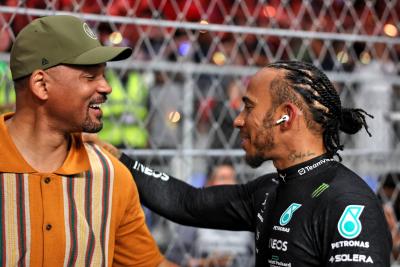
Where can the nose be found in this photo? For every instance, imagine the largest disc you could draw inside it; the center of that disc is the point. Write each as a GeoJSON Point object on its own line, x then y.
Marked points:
{"type": "Point", "coordinates": [239, 121]}
{"type": "Point", "coordinates": [104, 87]}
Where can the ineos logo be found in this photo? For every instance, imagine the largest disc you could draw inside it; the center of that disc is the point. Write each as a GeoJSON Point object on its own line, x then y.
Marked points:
{"type": "Point", "coordinates": [149, 172]}
{"type": "Point", "coordinates": [278, 244]}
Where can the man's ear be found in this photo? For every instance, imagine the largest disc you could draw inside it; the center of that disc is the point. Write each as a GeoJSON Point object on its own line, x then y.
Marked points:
{"type": "Point", "coordinates": [38, 84]}
{"type": "Point", "coordinates": [293, 112]}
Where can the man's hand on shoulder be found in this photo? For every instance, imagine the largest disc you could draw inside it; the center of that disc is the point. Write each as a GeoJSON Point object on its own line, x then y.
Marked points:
{"type": "Point", "coordinates": [93, 138]}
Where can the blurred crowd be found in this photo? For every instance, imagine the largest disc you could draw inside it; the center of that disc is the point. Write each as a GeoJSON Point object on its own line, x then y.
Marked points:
{"type": "Point", "coordinates": [378, 18]}
{"type": "Point", "coordinates": [156, 122]}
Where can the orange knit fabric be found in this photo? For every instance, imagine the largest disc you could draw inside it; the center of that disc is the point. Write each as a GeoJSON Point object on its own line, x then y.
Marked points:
{"type": "Point", "coordinates": [87, 213]}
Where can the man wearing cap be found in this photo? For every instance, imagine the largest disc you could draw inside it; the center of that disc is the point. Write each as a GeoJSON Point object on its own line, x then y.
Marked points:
{"type": "Point", "coordinates": [62, 202]}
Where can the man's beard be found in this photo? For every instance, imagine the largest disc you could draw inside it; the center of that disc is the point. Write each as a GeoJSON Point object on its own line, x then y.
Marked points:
{"type": "Point", "coordinates": [90, 126]}
{"type": "Point", "coordinates": [254, 161]}
{"type": "Point", "coordinates": [264, 142]}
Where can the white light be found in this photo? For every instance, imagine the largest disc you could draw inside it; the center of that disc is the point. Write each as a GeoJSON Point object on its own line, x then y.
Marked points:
{"type": "Point", "coordinates": [203, 22]}
{"type": "Point", "coordinates": [174, 116]}
{"type": "Point", "coordinates": [343, 57]}
{"type": "Point", "coordinates": [365, 58]}
{"type": "Point", "coordinates": [390, 30]}
{"type": "Point", "coordinates": [219, 58]}
{"type": "Point", "coordinates": [115, 38]}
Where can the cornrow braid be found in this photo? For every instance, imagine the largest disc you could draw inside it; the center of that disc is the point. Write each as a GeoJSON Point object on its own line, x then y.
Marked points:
{"type": "Point", "coordinates": [323, 102]}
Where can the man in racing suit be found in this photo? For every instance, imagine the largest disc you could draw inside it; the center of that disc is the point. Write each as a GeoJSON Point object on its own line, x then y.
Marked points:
{"type": "Point", "coordinates": [314, 211]}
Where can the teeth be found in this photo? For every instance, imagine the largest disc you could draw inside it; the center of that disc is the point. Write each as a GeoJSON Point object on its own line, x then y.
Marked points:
{"type": "Point", "coordinates": [95, 105]}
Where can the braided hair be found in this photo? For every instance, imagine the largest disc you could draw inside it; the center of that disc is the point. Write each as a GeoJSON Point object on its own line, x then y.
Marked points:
{"type": "Point", "coordinates": [323, 103]}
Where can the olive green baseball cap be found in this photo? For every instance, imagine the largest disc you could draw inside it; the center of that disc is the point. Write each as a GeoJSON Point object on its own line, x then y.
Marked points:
{"type": "Point", "coordinates": [49, 41]}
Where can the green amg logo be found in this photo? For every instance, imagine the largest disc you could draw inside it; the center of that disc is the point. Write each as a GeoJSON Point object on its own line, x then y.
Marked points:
{"type": "Point", "coordinates": [349, 225]}
{"type": "Point", "coordinates": [288, 213]}
{"type": "Point", "coordinates": [317, 192]}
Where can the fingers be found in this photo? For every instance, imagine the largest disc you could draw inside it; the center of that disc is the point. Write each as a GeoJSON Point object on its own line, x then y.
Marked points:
{"type": "Point", "coordinates": [93, 138]}
{"type": "Point", "coordinates": [90, 138]}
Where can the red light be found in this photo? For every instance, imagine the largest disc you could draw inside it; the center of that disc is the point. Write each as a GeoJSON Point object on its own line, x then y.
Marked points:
{"type": "Point", "coordinates": [269, 11]}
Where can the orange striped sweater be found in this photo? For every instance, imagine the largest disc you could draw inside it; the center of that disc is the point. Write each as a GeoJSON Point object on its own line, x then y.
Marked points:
{"type": "Point", "coordinates": [87, 213]}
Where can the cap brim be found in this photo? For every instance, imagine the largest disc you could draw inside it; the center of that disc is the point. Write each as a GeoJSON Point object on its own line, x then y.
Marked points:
{"type": "Point", "coordinates": [100, 55]}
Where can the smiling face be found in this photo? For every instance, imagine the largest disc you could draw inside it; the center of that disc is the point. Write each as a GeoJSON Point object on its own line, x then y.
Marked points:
{"type": "Point", "coordinates": [256, 120]}
{"type": "Point", "coordinates": [75, 96]}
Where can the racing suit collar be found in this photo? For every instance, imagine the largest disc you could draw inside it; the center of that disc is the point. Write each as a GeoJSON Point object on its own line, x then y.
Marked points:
{"type": "Point", "coordinates": [304, 168]}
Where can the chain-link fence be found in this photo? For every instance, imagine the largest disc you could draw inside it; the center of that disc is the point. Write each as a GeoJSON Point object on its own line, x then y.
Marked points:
{"type": "Point", "coordinates": [175, 99]}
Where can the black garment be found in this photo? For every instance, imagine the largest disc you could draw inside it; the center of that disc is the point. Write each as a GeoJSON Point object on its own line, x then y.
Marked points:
{"type": "Point", "coordinates": [318, 213]}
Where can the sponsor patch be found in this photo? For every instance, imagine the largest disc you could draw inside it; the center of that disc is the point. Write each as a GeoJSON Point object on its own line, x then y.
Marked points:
{"type": "Point", "coordinates": [288, 214]}
{"type": "Point", "coordinates": [274, 261]}
{"type": "Point", "coordinates": [350, 243]}
{"type": "Point", "coordinates": [317, 192]}
{"type": "Point", "coordinates": [308, 168]}
{"type": "Point", "coordinates": [349, 225]}
{"type": "Point", "coordinates": [278, 244]}
{"type": "Point", "coordinates": [351, 258]}
{"type": "Point", "coordinates": [146, 170]}
{"type": "Point", "coordinates": [281, 229]}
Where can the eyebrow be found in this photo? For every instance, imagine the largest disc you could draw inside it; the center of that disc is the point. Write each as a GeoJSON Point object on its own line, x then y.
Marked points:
{"type": "Point", "coordinates": [247, 100]}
